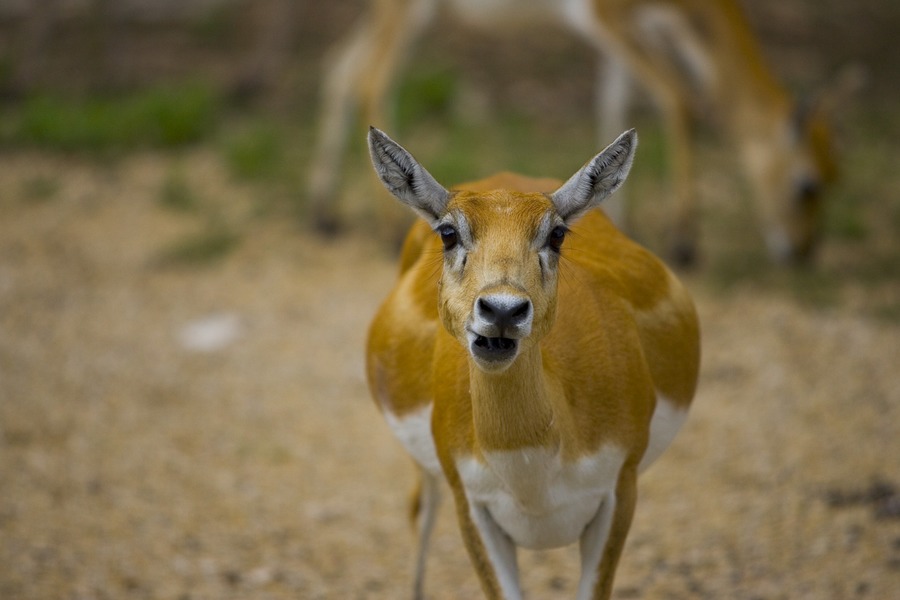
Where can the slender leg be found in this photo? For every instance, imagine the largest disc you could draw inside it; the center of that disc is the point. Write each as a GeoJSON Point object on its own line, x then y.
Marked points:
{"type": "Point", "coordinates": [602, 541]}
{"type": "Point", "coordinates": [612, 97]}
{"type": "Point", "coordinates": [358, 80]}
{"type": "Point", "coordinates": [491, 551]}
{"type": "Point", "coordinates": [667, 92]}
{"type": "Point", "coordinates": [426, 504]}
{"type": "Point", "coordinates": [501, 567]}
{"type": "Point", "coordinates": [339, 103]}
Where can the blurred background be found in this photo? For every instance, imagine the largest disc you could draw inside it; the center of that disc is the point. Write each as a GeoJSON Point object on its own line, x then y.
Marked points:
{"type": "Point", "coordinates": [183, 412]}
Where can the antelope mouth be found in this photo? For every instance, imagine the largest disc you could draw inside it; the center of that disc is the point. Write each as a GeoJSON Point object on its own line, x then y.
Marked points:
{"type": "Point", "coordinates": [494, 349]}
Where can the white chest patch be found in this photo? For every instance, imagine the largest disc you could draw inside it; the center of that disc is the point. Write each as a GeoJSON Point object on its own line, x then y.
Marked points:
{"type": "Point", "coordinates": [413, 430]}
{"type": "Point", "coordinates": [536, 498]}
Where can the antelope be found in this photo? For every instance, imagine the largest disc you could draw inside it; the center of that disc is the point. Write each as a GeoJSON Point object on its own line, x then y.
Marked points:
{"type": "Point", "coordinates": [691, 56]}
{"type": "Point", "coordinates": [532, 356]}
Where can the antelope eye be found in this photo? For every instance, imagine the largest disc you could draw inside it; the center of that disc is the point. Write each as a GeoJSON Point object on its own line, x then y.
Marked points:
{"type": "Point", "coordinates": [556, 237]}
{"type": "Point", "coordinates": [449, 237]}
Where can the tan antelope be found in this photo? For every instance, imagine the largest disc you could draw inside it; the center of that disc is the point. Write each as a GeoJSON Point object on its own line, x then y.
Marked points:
{"type": "Point", "coordinates": [534, 357]}
{"type": "Point", "coordinates": [691, 56]}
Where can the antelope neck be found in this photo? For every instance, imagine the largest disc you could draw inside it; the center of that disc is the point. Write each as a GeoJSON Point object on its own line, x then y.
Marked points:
{"type": "Point", "coordinates": [514, 409]}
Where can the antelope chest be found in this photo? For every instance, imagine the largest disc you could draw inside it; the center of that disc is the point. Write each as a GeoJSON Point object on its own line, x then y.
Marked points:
{"type": "Point", "coordinates": [538, 499]}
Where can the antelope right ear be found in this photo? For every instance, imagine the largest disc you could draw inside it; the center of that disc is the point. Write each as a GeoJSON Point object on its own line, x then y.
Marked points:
{"type": "Point", "coordinates": [405, 178]}
{"type": "Point", "coordinates": [602, 176]}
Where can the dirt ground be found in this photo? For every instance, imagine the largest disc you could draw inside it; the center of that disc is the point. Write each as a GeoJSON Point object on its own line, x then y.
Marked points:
{"type": "Point", "coordinates": [205, 432]}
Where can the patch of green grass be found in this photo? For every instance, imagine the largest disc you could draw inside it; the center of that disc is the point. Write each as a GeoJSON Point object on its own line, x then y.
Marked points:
{"type": "Point", "coordinates": [844, 219]}
{"type": "Point", "coordinates": [812, 287]}
{"type": "Point", "coordinates": [513, 142]}
{"type": "Point", "coordinates": [888, 312]}
{"type": "Point", "coordinates": [426, 94]}
{"type": "Point", "coordinates": [40, 189]}
{"type": "Point", "coordinates": [6, 72]}
{"type": "Point", "coordinates": [217, 26]}
{"type": "Point", "coordinates": [201, 249]}
{"type": "Point", "coordinates": [877, 267]}
{"type": "Point", "coordinates": [731, 266]}
{"type": "Point", "coordinates": [256, 152]}
{"type": "Point", "coordinates": [176, 194]}
{"type": "Point", "coordinates": [163, 117]}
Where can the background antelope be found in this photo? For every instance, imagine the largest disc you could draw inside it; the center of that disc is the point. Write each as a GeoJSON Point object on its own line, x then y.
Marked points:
{"type": "Point", "coordinates": [539, 368]}
{"type": "Point", "coordinates": [691, 56]}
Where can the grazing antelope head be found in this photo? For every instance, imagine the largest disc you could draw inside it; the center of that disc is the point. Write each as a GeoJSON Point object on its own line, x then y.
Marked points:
{"type": "Point", "coordinates": [501, 249]}
{"type": "Point", "coordinates": [790, 172]}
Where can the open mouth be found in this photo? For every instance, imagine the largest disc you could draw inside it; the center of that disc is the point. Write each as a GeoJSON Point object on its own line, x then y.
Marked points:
{"type": "Point", "coordinates": [494, 348]}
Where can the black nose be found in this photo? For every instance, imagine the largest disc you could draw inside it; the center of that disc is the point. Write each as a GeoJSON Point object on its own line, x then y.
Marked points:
{"type": "Point", "coordinates": [503, 311]}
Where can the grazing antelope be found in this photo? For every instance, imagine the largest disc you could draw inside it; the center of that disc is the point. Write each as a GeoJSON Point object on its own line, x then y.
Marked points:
{"type": "Point", "coordinates": [691, 56]}
{"type": "Point", "coordinates": [534, 356]}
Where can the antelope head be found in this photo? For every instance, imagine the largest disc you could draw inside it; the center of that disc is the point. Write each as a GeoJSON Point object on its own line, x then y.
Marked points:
{"type": "Point", "coordinates": [501, 248]}
{"type": "Point", "coordinates": [795, 165]}
{"type": "Point", "coordinates": [791, 171]}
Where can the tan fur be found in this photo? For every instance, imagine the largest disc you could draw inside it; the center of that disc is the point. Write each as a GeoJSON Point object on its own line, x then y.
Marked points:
{"type": "Point", "coordinates": [611, 330]}
{"type": "Point", "coordinates": [700, 57]}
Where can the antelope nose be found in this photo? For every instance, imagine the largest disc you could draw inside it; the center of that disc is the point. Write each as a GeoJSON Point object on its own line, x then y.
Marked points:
{"type": "Point", "coordinates": [508, 314]}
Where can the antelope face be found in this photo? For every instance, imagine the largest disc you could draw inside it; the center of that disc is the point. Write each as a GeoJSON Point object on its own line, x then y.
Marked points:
{"type": "Point", "coordinates": [498, 287]}
{"type": "Point", "coordinates": [501, 248]}
{"type": "Point", "coordinates": [794, 174]}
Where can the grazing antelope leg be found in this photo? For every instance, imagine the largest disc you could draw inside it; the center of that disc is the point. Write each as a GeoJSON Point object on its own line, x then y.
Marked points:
{"type": "Point", "coordinates": [358, 77]}
{"type": "Point", "coordinates": [612, 94]}
{"type": "Point", "coordinates": [539, 397]}
{"type": "Point", "coordinates": [691, 56]}
{"type": "Point", "coordinates": [614, 26]}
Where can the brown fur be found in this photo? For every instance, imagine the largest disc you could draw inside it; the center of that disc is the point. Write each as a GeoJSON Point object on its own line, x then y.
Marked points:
{"type": "Point", "coordinates": [738, 88]}
{"type": "Point", "coordinates": [613, 330]}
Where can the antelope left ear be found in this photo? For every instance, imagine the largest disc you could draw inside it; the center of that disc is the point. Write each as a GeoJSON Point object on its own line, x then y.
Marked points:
{"type": "Point", "coordinates": [599, 178]}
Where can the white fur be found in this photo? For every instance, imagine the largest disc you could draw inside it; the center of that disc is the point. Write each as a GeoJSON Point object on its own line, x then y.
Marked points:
{"type": "Point", "coordinates": [530, 497]}
{"type": "Point", "coordinates": [538, 500]}
{"type": "Point", "coordinates": [593, 542]}
{"type": "Point", "coordinates": [665, 425]}
{"type": "Point", "coordinates": [667, 28]}
{"type": "Point", "coordinates": [500, 549]}
{"type": "Point", "coordinates": [413, 430]}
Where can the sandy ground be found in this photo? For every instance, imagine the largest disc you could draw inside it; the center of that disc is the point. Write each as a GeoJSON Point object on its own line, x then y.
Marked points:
{"type": "Point", "coordinates": [205, 432]}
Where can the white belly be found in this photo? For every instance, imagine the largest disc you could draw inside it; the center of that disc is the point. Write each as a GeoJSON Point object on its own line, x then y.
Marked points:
{"type": "Point", "coordinates": [539, 501]}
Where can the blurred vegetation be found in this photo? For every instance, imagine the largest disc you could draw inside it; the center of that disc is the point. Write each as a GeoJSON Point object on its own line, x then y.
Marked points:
{"type": "Point", "coordinates": [467, 106]}
{"type": "Point", "coordinates": [168, 116]}
{"type": "Point", "coordinates": [255, 151]}
{"type": "Point", "coordinates": [40, 189]}
{"type": "Point", "coordinates": [176, 193]}
{"type": "Point", "coordinates": [207, 246]}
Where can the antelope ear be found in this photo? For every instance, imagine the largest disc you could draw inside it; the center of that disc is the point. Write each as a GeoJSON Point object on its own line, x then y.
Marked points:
{"type": "Point", "coordinates": [830, 100]}
{"type": "Point", "coordinates": [843, 88]}
{"type": "Point", "coordinates": [599, 178]}
{"type": "Point", "coordinates": [405, 178]}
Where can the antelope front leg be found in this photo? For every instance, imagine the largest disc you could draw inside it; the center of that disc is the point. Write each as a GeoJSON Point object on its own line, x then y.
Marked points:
{"type": "Point", "coordinates": [426, 501]}
{"type": "Point", "coordinates": [602, 541]}
{"type": "Point", "coordinates": [491, 551]}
